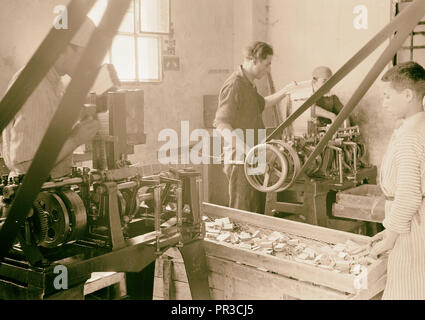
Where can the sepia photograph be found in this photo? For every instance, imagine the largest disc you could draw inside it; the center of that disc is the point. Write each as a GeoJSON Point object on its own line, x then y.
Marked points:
{"type": "Point", "coordinates": [212, 157]}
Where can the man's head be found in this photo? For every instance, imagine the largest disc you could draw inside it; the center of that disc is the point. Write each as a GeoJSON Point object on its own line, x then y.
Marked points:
{"type": "Point", "coordinates": [258, 58]}
{"type": "Point", "coordinates": [404, 89]}
{"type": "Point", "coordinates": [71, 56]}
{"type": "Point", "coordinates": [320, 76]}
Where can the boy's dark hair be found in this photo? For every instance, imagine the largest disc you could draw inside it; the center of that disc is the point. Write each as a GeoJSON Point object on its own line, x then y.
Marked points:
{"type": "Point", "coordinates": [407, 75]}
{"type": "Point", "coordinates": [258, 51]}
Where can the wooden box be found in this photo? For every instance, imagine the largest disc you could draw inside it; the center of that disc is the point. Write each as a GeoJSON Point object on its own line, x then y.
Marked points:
{"type": "Point", "coordinates": [365, 203]}
{"type": "Point", "coordinates": [236, 273]}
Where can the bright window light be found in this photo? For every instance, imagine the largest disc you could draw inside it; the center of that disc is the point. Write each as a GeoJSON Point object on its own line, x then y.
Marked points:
{"type": "Point", "coordinates": [148, 57]}
{"type": "Point", "coordinates": [136, 49]}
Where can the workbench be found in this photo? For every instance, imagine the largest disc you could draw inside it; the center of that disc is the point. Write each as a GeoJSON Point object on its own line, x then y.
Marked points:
{"type": "Point", "coordinates": [236, 273]}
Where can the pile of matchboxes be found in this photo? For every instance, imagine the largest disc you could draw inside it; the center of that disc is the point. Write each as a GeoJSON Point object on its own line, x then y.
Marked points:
{"type": "Point", "coordinates": [251, 256]}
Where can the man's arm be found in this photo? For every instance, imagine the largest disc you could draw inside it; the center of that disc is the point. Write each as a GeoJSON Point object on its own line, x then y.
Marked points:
{"type": "Point", "coordinates": [320, 112]}
{"type": "Point", "coordinates": [275, 98]}
{"type": "Point", "coordinates": [232, 140]}
{"type": "Point", "coordinates": [82, 133]}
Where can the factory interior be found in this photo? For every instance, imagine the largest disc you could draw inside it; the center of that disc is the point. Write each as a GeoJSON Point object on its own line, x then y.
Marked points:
{"type": "Point", "coordinates": [137, 93]}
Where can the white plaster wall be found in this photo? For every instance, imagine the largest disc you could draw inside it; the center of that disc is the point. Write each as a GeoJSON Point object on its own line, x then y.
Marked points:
{"type": "Point", "coordinates": [308, 33]}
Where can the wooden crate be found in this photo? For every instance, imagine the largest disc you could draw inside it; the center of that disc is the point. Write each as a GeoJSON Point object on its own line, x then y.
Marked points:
{"type": "Point", "coordinates": [236, 273]}
{"type": "Point", "coordinates": [102, 280]}
{"type": "Point", "coordinates": [365, 203]}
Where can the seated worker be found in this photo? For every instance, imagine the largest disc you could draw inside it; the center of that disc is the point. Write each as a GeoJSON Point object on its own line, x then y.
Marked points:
{"type": "Point", "coordinates": [326, 108]}
{"type": "Point", "coordinates": [23, 135]}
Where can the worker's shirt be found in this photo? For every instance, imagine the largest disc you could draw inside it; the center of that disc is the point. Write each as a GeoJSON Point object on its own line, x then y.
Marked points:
{"type": "Point", "coordinates": [402, 178]}
{"type": "Point", "coordinates": [23, 135]}
{"type": "Point", "coordinates": [240, 105]}
{"type": "Point", "coordinates": [329, 103]}
{"type": "Point", "coordinates": [298, 96]}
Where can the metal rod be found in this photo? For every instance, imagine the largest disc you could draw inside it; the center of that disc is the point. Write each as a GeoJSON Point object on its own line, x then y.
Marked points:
{"type": "Point", "coordinates": [341, 177]}
{"type": "Point", "coordinates": [354, 145]}
{"type": "Point", "coordinates": [157, 201]}
{"type": "Point", "coordinates": [339, 150]}
{"type": "Point", "coordinates": [200, 199]}
{"type": "Point", "coordinates": [179, 195]}
{"type": "Point", "coordinates": [127, 185]}
{"type": "Point", "coordinates": [67, 182]}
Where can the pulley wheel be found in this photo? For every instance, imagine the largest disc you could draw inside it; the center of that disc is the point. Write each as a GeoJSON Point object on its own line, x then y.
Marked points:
{"type": "Point", "coordinates": [265, 168]}
{"type": "Point", "coordinates": [58, 219]}
{"type": "Point", "coordinates": [77, 212]}
{"type": "Point", "coordinates": [293, 161]}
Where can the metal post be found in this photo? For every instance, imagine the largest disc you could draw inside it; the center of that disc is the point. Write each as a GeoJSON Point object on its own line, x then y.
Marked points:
{"type": "Point", "coordinates": [157, 201]}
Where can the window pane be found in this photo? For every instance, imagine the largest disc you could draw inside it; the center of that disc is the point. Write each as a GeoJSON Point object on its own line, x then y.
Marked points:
{"type": "Point", "coordinates": [148, 51]}
{"type": "Point", "coordinates": [123, 57]}
{"type": "Point", "coordinates": [155, 16]}
{"type": "Point", "coordinates": [99, 8]}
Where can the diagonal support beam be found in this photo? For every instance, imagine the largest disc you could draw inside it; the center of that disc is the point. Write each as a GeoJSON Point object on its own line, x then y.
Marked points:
{"type": "Point", "coordinates": [62, 122]}
{"type": "Point", "coordinates": [195, 262]}
{"type": "Point", "coordinates": [41, 62]}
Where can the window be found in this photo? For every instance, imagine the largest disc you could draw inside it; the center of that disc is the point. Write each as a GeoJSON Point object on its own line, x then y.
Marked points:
{"type": "Point", "coordinates": [414, 47]}
{"type": "Point", "coordinates": [136, 50]}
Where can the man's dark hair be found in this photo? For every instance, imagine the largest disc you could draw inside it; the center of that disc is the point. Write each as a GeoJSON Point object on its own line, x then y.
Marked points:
{"type": "Point", "coordinates": [407, 75]}
{"type": "Point", "coordinates": [258, 51]}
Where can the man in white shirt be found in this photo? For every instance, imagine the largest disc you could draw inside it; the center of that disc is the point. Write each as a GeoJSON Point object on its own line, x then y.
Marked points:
{"type": "Point", "coordinates": [23, 135]}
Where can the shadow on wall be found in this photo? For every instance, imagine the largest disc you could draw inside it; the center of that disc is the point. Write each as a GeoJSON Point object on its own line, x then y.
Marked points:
{"type": "Point", "coordinates": [376, 128]}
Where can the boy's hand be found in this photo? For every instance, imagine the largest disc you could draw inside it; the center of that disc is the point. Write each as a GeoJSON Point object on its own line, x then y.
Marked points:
{"type": "Point", "coordinates": [387, 242]}
{"type": "Point", "coordinates": [381, 247]}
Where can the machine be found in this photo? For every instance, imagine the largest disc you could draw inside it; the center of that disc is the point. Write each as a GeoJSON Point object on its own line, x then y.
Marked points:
{"type": "Point", "coordinates": [339, 166]}
{"type": "Point", "coordinates": [112, 217]}
{"type": "Point", "coordinates": [112, 220]}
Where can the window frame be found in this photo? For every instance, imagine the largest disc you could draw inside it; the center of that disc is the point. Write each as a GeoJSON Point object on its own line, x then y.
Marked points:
{"type": "Point", "coordinates": [136, 34]}
{"type": "Point", "coordinates": [151, 32]}
{"type": "Point", "coordinates": [411, 47]}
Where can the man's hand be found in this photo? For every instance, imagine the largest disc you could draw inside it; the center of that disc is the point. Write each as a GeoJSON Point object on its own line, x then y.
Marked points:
{"type": "Point", "coordinates": [85, 131]}
{"type": "Point", "coordinates": [290, 86]}
{"type": "Point", "coordinates": [239, 153]}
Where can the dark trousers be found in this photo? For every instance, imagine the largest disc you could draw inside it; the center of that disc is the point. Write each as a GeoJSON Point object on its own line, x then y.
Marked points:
{"type": "Point", "coordinates": [242, 195]}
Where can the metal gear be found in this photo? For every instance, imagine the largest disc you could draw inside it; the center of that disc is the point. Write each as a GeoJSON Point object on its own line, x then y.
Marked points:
{"type": "Point", "coordinates": [40, 223]}
{"type": "Point", "coordinates": [58, 219]}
